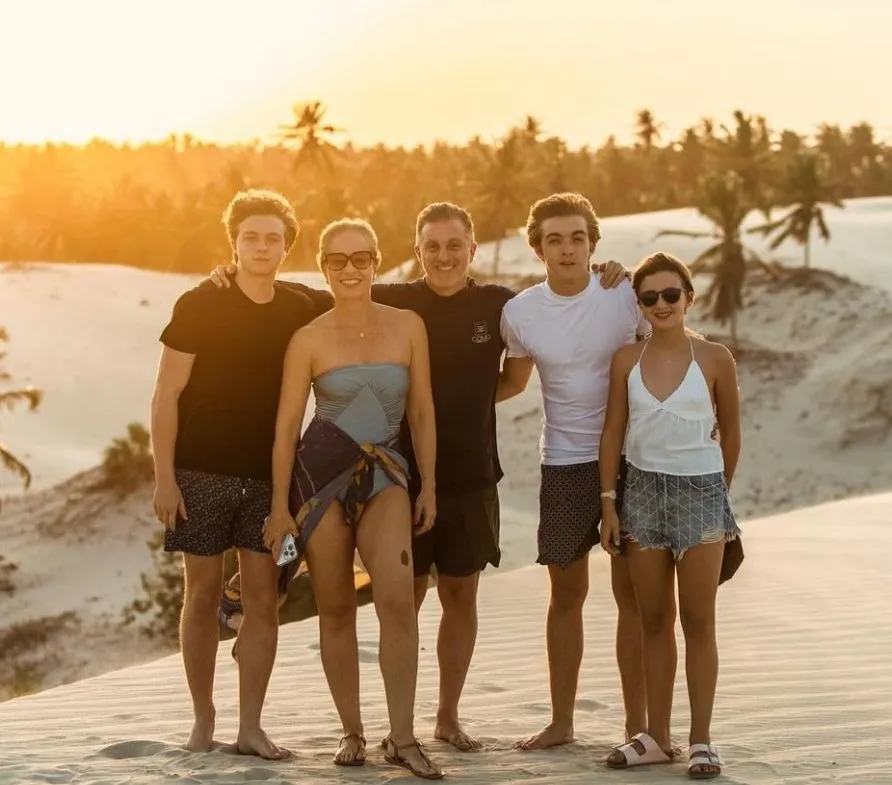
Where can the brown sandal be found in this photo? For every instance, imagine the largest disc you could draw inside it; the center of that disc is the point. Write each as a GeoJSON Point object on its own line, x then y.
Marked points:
{"type": "Point", "coordinates": [392, 755]}
{"type": "Point", "coordinates": [357, 761]}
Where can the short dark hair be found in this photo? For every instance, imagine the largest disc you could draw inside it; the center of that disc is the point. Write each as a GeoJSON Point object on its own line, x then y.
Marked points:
{"type": "Point", "coordinates": [444, 211]}
{"type": "Point", "coordinates": [558, 205]}
{"type": "Point", "coordinates": [260, 201]}
{"type": "Point", "coordinates": [662, 263]}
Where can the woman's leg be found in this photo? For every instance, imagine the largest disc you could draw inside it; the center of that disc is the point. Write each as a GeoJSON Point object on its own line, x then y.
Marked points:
{"type": "Point", "coordinates": [698, 579]}
{"type": "Point", "coordinates": [384, 539]}
{"type": "Point", "coordinates": [653, 576]}
{"type": "Point", "coordinates": [330, 559]}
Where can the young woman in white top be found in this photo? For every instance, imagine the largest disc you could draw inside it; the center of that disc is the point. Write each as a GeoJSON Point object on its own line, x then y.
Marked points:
{"type": "Point", "coordinates": [675, 515]}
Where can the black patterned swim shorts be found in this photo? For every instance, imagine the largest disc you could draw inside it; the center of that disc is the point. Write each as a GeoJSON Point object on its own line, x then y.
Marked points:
{"type": "Point", "coordinates": [223, 512]}
{"type": "Point", "coordinates": [570, 511]}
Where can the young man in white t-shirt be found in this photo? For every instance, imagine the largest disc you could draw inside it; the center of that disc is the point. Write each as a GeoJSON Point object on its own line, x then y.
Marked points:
{"type": "Point", "coordinates": [569, 327]}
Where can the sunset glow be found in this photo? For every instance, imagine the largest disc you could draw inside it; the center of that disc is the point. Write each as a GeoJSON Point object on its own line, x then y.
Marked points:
{"type": "Point", "coordinates": [406, 72]}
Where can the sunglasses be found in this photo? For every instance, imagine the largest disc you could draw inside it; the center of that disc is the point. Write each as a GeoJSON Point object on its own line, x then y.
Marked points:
{"type": "Point", "coordinates": [361, 260]}
{"type": "Point", "coordinates": [649, 298]}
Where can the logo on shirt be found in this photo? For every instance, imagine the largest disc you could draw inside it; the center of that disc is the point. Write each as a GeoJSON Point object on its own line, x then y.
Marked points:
{"type": "Point", "coordinates": [481, 332]}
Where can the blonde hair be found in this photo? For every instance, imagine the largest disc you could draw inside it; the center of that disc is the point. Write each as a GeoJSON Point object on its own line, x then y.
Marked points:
{"type": "Point", "coordinates": [342, 225]}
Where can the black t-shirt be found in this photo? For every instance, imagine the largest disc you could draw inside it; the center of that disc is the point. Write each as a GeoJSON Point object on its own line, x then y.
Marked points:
{"type": "Point", "coordinates": [465, 355]}
{"type": "Point", "coordinates": [227, 412]}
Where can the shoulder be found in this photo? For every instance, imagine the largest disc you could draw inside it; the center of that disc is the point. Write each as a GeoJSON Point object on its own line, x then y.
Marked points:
{"type": "Point", "coordinates": [714, 352]}
{"type": "Point", "coordinates": [525, 301]}
{"type": "Point", "coordinates": [199, 297]}
{"type": "Point", "coordinates": [626, 356]}
{"type": "Point", "coordinates": [494, 295]}
{"type": "Point", "coordinates": [403, 317]}
{"type": "Point", "coordinates": [623, 292]}
{"type": "Point", "coordinates": [399, 295]}
{"type": "Point", "coordinates": [301, 293]}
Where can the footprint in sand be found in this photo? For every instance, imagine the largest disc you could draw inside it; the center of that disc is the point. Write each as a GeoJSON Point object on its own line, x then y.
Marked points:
{"type": "Point", "coordinates": [590, 705]}
{"type": "Point", "coordinates": [133, 749]}
{"type": "Point", "coordinates": [367, 651]}
{"type": "Point", "coordinates": [490, 688]}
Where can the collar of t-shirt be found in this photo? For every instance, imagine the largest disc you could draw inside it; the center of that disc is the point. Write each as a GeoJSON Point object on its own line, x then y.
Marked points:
{"type": "Point", "coordinates": [569, 298]}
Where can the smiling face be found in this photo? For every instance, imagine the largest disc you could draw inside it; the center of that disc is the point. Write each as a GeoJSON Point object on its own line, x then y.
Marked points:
{"type": "Point", "coordinates": [445, 250]}
{"type": "Point", "coordinates": [566, 250]}
{"type": "Point", "coordinates": [349, 262]}
{"type": "Point", "coordinates": [660, 311]}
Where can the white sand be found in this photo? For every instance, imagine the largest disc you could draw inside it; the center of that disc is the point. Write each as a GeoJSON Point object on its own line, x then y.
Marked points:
{"type": "Point", "coordinates": [805, 692]}
{"type": "Point", "coordinates": [818, 426]}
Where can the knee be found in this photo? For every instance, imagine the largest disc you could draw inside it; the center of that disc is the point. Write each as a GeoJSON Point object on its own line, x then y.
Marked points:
{"type": "Point", "coordinates": [261, 605]}
{"type": "Point", "coordinates": [568, 599]}
{"type": "Point", "coordinates": [203, 598]}
{"type": "Point", "coordinates": [656, 622]}
{"type": "Point", "coordinates": [698, 624]}
{"type": "Point", "coordinates": [395, 607]}
{"type": "Point", "coordinates": [338, 615]}
{"type": "Point", "coordinates": [458, 597]}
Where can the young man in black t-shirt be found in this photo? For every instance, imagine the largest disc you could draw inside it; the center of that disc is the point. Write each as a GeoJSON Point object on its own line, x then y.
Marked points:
{"type": "Point", "coordinates": [213, 423]}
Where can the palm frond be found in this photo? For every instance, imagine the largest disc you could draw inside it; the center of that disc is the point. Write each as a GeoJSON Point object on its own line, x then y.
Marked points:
{"type": "Point", "coordinates": [682, 233]}
{"type": "Point", "coordinates": [12, 398]}
{"type": "Point", "coordinates": [700, 264]}
{"type": "Point", "coordinates": [769, 228]}
{"type": "Point", "coordinates": [15, 466]}
{"type": "Point", "coordinates": [822, 225]}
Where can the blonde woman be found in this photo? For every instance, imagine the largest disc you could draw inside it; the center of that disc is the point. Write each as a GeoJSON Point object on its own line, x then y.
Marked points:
{"type": "Point", "coordinates": [345, 486]}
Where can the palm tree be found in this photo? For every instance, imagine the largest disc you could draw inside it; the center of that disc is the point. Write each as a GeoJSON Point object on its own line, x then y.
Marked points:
{"type": "Point", "coordinates": [806, 187]}
{"type": "Point", "coordinates": [310, 132]}
{"type": "Point", "coordinates": [501, 189]}
{"type": "Point", "coordinates": [722, 201]}
{"type": "Point", "coordinates": [746, 150]}
{"type": "Point", "coordinates": [8, 400]}
{"type": "Point", "coordinates": [647, 129]}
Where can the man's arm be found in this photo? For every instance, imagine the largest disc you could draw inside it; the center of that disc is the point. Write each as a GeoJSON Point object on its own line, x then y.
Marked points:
{"type": "Point", "coordinates": [518, 364]}
{"type": "Point", "coordinates": [174, 371]}
{"type": "Point", "coordinates": [513, 377]}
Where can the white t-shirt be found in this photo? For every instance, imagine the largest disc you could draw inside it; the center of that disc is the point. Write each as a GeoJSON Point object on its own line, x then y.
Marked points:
{"type": "Point", "coordinates": [572, 341]}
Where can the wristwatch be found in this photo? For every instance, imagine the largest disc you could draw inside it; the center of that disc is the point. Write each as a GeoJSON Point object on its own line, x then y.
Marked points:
{"type": "Point", "coordinates": [608, 495]}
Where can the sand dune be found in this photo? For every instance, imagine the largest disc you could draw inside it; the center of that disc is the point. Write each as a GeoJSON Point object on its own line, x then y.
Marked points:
{"type": "Point", "coordinates": [815, 373]}
{"type": "Point", "coordinates": [805, 692]}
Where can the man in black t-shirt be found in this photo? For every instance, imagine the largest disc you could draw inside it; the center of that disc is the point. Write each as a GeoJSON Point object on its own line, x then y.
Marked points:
{"type": "Point", "coordinates": [213, 424]}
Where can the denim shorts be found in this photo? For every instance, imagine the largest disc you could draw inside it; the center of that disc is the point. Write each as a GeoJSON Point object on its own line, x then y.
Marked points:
{"type": "Point", "coordinates": [675, 512]}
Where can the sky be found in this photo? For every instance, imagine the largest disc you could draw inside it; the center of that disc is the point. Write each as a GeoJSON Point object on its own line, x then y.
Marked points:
{"type": "Point", "coordinates": [415, 71]}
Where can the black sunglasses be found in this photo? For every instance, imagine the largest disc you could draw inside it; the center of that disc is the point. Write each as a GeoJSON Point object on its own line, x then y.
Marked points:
{"type": "Point", "coordinates": [670, 296]}
{"type": "Point", "coordinates": [361, 260]}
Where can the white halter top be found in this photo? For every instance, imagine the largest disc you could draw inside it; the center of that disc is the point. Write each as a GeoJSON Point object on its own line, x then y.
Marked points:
{"type": "Point", "coordinates": [673, 436]}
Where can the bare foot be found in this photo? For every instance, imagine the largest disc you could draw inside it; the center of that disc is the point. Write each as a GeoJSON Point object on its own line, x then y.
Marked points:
{"type": "Point", "coordinates": [452, 733]}
{"type": "Point", "coordinates": [351, 750]}
{"type": "Point", "coordinates": [257, 743]}
{"type": "Point", "coordinates": [202, 737]}
{"type": "Point", "coordinates": [550, 736]}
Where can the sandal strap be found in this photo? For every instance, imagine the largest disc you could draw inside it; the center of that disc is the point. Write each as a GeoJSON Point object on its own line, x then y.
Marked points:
{"type": "Point", "coordinates": [357, 736]}
{"type": "Point", "coordinates": [704, 754]}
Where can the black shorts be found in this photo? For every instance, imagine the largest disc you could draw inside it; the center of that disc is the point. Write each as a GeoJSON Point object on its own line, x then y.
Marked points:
{"type": "Point", "coordinates": [570, 511]}
{"type": "Point", "coordinates": [465, 537]}
{"type": "Point", "coordinates": [223, 512]}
